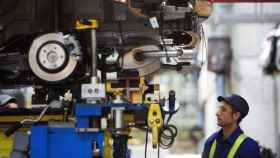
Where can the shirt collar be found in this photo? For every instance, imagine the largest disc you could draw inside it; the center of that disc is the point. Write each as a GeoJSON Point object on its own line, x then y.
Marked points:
{"type": "Point", "coordinates": [231, 139]}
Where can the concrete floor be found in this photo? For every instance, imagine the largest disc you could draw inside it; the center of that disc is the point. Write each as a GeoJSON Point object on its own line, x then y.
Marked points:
{"type": "Point", "coordinates": [138, 151]}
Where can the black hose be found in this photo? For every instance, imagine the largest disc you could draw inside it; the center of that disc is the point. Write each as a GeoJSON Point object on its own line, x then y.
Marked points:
{"type": "Point", "coordinates": [12, 129]}
{"type": "Point", "coordinates": [146, 142]}
{"type": "Point", "coordinates": [167, 137]}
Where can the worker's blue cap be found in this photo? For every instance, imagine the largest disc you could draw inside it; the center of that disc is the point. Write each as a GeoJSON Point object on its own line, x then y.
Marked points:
{"type": "Point", "coordinates": [4, 99]}
{"type": "Point", "coordinates": [238, 102]}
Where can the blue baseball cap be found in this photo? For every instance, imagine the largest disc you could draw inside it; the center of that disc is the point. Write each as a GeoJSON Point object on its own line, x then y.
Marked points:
{"type": "Point", "coordinates": [238, 102]}
{"type": "Point", "coordinates": [4, 99]}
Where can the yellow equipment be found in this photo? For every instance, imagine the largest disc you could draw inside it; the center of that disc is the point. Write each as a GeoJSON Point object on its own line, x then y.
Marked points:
{"type": "Point", "coordinates": [155, 122]}
{"type": "Point", "coordinates": [86, 24]}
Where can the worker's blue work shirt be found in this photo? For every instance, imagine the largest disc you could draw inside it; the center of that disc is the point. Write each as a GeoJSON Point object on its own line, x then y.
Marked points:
{"type": "Point", "coordinates": [248, 149]}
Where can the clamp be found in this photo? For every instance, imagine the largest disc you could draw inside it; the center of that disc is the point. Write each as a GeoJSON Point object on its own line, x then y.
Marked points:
{"type": "Point", "coordinates": [86, 24]}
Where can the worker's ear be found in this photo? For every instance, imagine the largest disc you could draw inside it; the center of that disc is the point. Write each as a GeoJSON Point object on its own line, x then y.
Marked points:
{"type": "Point", "coordinates": [236, 115]}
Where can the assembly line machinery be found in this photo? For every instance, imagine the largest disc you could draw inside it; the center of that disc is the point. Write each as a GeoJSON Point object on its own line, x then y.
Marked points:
{"type": "Point", "coordinates": [89, 64]}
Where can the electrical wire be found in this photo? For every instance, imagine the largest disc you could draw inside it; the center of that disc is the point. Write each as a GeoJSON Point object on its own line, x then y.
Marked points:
{"type": "Point", "coordinates": [169, 118]}
{"type": "Point", "coordinates": [20, 124]}
{"type": "Point", "coordinates": [38, 118]}
{"type": "Point", "coordinates": [167, 136]}
{"type": "Point", "coordinates": [146, 142]}
{"type": "Point", "coordinates": [158, 152]}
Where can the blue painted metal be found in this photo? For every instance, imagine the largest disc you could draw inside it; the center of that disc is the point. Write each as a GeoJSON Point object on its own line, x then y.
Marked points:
{"type": "Point", "coordinates": [39, 142]}
{"type": "Point", "coordinates": [88, 110]}
{"type": "Point", "coordinates": [96, 109]}
{"type": "Point", "coordinates": [84, 112]}
{"type": "Point", "coordinates": [47, 142]}
{"type": "Point", "coordinates": [63, 142]}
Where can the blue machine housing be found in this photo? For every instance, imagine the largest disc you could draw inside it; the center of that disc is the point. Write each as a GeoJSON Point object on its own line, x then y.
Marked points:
{"type": "Point", "coordinates": [63, 142]}
{"type": "Point", "coordinates": [50, 142]}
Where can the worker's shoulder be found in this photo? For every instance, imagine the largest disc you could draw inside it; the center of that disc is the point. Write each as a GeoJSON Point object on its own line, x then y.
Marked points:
{"type": "Point", "coordinates": [210, 139]}
{"type": "Point", "coordinates": [250, 144]}
{"type": "Point", "coordinates": [250, 141]}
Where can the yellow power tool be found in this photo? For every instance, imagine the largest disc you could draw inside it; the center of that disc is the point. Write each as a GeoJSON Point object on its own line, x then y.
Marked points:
{"type": "Point", "coordinates": [155, 122]}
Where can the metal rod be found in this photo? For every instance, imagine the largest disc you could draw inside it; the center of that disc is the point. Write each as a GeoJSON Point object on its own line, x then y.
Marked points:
{"type": "Point", "coordinates": [56, 7]}
{"type": "Point", "coordinates": [169, 53]}
{"type": "Point", "coordinates": [93, 53]}
{"type": "Point", "coordinates": [276, 112]}
{"type": "Point", "coordinates": [118, 117]}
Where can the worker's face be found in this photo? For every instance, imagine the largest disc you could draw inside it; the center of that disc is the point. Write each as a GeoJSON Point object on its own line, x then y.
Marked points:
{"type": "Point", "coordinates": [226, 116]}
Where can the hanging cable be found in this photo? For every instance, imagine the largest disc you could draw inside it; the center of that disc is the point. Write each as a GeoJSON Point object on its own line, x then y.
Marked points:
{"type": "Point", "coordinates": [146, 142]}
{"type": "Point", "coordinates": [20, 124]}
{"type": "Point", "coordinates": [38, 118]}
{"type": "Point", "coordinates": [168, 134]}
{"type": "Point", "coordinates": [169, 118]}
{"type": "Point", "coordinates": [167, 137]}
{"type": "Point", "coordinates": [158, 152]}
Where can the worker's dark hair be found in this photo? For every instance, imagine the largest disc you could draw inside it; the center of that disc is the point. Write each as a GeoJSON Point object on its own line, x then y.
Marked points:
{"type": "Point", "coordinates": [234, 110]}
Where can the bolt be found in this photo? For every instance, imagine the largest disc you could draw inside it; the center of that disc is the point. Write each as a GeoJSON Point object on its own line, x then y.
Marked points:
{"type": "Point", "coordinates": [90, 90]}
{"type": "Point", "coordinates": [96, 90]}
{"type": "Point", "coordinates": [157, 121]}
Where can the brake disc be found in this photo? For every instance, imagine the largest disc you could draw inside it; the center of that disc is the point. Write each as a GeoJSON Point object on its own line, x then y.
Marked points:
{"type": "Point", "coordinates": [50, 58]}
